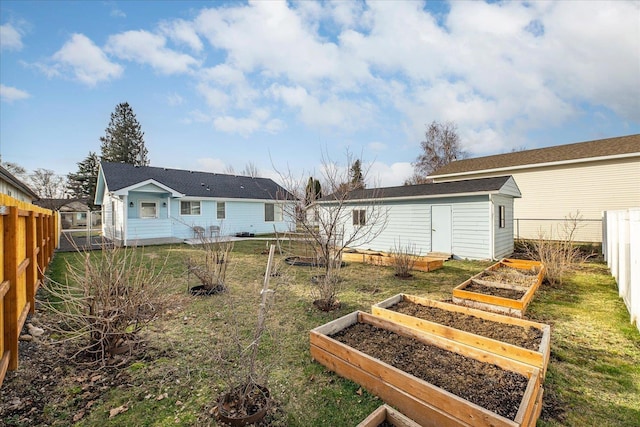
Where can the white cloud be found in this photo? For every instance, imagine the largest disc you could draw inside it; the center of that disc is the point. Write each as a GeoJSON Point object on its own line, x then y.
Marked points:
{"type": "Point", "coordinates": [85, 60]}
{"type": "Point", "coordinates": [384, 175]}
{"type": "Point", "coordinates": [117, 13]}
{"type": "Point", "coordinates": [9, 94]}
{"type": "Point", "coordinates": [183, 32]}
{"type": "Point", "coordinates": [10, 37]}
{"type": "Point", "coordinates": [144, 47]}
{"type": "Point", "coordinates": [243, 126]}
{"type": "Point", "coordinates": [174, 99]}
{"type": "Point", "coordinates": [377, 146]}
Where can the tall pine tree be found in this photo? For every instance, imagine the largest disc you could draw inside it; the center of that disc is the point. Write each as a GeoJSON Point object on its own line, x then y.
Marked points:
{"type": "Point", "coordinates": [123, 141]}
{"type": "Point", "coordinates": [82, 184]}
{"type": "Point", "coordinates": [357, 180]}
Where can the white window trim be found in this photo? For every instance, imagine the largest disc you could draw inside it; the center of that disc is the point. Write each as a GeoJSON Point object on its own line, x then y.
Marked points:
{"type": "Point", "coordinates": [155, 202]}
{"type": "Point", "coordinates": [278, 212]}
{"type": "Point", "coordinates": [224, 214]}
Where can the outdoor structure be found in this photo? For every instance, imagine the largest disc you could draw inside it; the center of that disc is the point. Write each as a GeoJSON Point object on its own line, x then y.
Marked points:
{"type": "Point", "coordinates": [152, 205]}
{"type": "Point", "coordinates": [467, 219]}
{"type": "Point", "coordinates": [556, 182]}
{"type": "Point", "coordinates": [13, 187]}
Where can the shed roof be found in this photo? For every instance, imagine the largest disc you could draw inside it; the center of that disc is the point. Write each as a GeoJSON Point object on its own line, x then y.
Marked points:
{"type": "Point", "coordinates": [491, 185]}
{"type": "Point", "coordinates": [120, 176]}
{"type": "Point", "coordinates": [580, 151]}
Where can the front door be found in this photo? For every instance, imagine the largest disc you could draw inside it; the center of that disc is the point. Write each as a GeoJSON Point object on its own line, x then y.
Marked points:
{"type": "Point", "coordinates": [441, 228]}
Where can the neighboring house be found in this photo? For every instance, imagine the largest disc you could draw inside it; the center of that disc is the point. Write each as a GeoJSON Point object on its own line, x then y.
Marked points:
{"type": "Point", "coordinates": [13, 187]}
{"type": "Point", "coordinates": [467, 219]}
{"type": "Point", "coordinates": [74, 213]}
{"type": "Point", "coordinates": [560, 181]}
{"type": "Point", "coordinates": [147, 205]}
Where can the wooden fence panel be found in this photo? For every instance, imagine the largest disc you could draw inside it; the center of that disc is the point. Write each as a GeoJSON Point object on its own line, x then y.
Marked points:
{"type": "Point", "coordinates": [28, 237]}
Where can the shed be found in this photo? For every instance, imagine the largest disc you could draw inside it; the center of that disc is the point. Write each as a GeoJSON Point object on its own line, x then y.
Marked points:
{"type": "Point", "coordinates": [467, 219]}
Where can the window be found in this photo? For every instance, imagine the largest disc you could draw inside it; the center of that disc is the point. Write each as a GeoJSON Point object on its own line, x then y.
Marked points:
{"type": "Point", "coordinates": [189, 208]}
{"type": "Point", "coordinates": [272, 212]}
{"type": "Point", "coordinates": [359, 217]}
{"type": "Point", "coordinates": [113, 214]}
{"type": "Point", "coordinates": [501, 216]}
{"type": "Point", "coordinates": [220, 210]}
{"type": "Point", "coordinates": [148, 210]}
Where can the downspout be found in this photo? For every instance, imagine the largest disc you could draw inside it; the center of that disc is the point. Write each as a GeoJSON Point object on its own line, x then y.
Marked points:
{"type": "Point", "coordinates": [492, 250]}
{"type": "Point", "coordinates": [125, 216]}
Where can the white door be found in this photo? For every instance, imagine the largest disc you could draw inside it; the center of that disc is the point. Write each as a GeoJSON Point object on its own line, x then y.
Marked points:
{"type": "Point", "coordinates": [441, 228]}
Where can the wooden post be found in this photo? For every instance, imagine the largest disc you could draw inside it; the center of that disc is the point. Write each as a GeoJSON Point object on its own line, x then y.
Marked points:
{"type": "Point", "coordinates": [32, 268]}
{"type": "Point", "coordinates": [11, 275]}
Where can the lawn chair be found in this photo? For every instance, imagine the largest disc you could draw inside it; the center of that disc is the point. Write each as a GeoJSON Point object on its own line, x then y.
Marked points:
{"type": "Point", "coordinates": [198, 232]}
{"type": "Point", "coordinates": [214, 231]}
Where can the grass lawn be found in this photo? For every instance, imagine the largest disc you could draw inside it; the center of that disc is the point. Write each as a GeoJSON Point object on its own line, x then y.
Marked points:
{"type": "Point", "coordinates": [593, 377]}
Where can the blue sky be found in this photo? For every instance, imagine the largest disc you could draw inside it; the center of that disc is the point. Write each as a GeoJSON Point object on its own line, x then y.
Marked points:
{"type": "Point", "coordinates": [218, 85]}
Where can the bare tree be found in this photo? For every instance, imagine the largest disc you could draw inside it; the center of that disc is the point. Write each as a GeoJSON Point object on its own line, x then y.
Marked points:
{"type": "Point", "coordinates": [440, 147]}
{"type": "Point", "coordinates": [47, 184]}
{"type": "Point", "coordinates": [343, 218]}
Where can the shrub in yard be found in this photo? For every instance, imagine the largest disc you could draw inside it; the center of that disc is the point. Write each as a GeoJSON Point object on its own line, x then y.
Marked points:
{"type": "Point", "coordinates": [108, 297]}
{"type": "Point", "coordinates": [404, 259]}
{"type": "Point", "coordinates": [561, 254]}
{"type": "Point", "coordinates": [211, 267]}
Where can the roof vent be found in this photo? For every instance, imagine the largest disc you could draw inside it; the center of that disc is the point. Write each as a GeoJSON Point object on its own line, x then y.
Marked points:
{"type": "Point", "coordinates": [242, 186]}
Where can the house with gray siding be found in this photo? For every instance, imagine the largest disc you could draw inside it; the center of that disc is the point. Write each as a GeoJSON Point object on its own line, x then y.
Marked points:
{"type": "Point", "coordinates": [147, 205]}
{"type": "Point", "coordinates": [13, 187]}
{"type": "Point", "coordinates": [468, 219]}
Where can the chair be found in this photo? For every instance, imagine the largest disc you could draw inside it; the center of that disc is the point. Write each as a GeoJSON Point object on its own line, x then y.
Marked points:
{"type": "Point", "coordinates": [214, 231]}
{"type": "Point", "coordinates": [198, 232]}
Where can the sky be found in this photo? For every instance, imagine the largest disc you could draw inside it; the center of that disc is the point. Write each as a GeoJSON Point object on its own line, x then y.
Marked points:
{"type": "Point", "coordinates": [288, 86]}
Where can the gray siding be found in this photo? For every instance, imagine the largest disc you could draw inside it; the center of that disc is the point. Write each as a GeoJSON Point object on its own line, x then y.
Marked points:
{"type": "Point", "coordinates": [471, 228]}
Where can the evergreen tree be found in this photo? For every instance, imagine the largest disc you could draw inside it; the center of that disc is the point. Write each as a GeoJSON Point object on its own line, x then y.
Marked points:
{"type": "Point", "coordinates": [82, 184]}
{"type": "Point", "coordinates": [124, 140]}
{"type": "Point", "coordinates": [313, 191]}
{"type": "Point", "coordinates": [357, 181]}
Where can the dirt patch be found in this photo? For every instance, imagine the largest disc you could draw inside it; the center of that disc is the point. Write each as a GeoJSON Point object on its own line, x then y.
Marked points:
{"type": "Point", "coordinates": [494, 290]}
{"type": "Point", "coordinates": [482, 383]}
{"type": "Point", "coordinates": [529, 338]}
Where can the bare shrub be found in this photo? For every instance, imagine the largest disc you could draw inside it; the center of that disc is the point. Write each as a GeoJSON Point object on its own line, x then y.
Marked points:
{"type": "Point", "coordinates": [211, 266]}
{"type": "Point", "coordinates": [559, 255]}
{"type": "Point", "coordinates": [404, 258]}
{"type": "Point", "coordinates": [108, 297]}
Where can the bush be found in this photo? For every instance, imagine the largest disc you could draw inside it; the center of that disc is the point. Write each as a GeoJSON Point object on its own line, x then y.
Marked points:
{"type": "Point", "coordinates": [108, 297]}
{"type": "Point", "coordinates": [404, 258]}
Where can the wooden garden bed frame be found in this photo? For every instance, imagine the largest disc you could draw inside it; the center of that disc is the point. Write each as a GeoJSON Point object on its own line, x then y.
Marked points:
{"type": "Point", "coordinates": [538, 358]}
{"type": "Point", "coordinates": [495, 303]}
{"type": "Point", "coordinates": [421, 401]}
{"type": "Point", "coordinates": [423, 263]}
{"type": "Point", "coordinates": [390, 415]}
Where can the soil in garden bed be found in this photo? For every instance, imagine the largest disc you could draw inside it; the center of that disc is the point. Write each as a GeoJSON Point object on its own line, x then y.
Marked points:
{"type": "Point", "coordinates": [511, 276]}
{"type": "Point", "coordinates": [494, 290]}
{"type": "Point", "coordinates": [529, 338]}
{"type": "Point", "coordinates": [482, 383]}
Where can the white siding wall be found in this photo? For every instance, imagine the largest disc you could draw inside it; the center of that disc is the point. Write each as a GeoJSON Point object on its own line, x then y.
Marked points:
{"type": "Point", "coordinates": [503, 237]}
{"type": "Point", "coordinates": [554, 192]}
{"type": "Point", "coordinates": [15, 192]}
{"type": "Point", "coordinates": [410, 223]}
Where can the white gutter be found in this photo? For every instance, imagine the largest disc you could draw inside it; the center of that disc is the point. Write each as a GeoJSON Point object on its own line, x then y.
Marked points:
{"type": "Point", "coordinates": [535, 165]}
{"type": "Point", "coordinates": [492, 250]}
{"type": "Point", "coordinates": [434, 196]}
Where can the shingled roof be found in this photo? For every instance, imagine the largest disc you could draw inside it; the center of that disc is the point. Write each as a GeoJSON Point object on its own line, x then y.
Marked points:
{"type": "Point", "coordinates": [469, 186]}
{"type": "Point", "coordinates": [6, 176]}
{"type": "Point", "coordinates": [560, 153]}
{"type": "Point", "coordinates": [119, 176]}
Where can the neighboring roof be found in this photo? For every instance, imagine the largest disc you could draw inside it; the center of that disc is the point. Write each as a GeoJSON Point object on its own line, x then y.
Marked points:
{"type": "Point", "coordinates": [119, 176]}
{"type": "Point", "coordinates": [423, 191]}
{"type": "Point", "coordinates": [5, 175]}
{"type": "Point", "coordinates": [581, 151]}
{"type": "Point", "coordinates": [75, 204]}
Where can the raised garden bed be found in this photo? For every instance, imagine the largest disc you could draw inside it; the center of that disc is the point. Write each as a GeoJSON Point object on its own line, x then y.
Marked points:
{"type": "Point", "coordinates": [502, 296]}
{"type": "Point", "coordinates": [398, 359]}
{"type": "Point", "coordinates": [385, 415]}
{"type": "Point", "coordinates": [522, 340]}
{"type": "Point", "coordinates": [422, 263]}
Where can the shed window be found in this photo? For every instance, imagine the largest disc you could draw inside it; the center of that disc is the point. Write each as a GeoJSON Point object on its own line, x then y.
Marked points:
{"type": "Point", "coordinates": [221, 210]}
{"type": "Point", "coordinates": [502, 216]}
{"type": "Point", "coordinates": [272, 212]}
{"type": "Point", "coordinates": [148, 210]}
{"type": "Point", "coordinates": [359, 217]}
{"type": "Point", "coordinates": [190, 208]}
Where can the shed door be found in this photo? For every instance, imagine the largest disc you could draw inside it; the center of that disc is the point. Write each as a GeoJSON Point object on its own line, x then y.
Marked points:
{"type": "Point", "coordinates": [441, 229]}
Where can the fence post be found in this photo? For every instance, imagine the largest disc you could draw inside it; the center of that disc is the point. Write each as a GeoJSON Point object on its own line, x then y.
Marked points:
{"type": "Point", "coordinates": [32, 268]}
{"type": "Point", "coordinates": [11, 275]}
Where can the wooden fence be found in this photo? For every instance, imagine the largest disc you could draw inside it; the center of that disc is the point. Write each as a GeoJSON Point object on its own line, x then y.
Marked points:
{"type": "Point", "coordinates": [28, 237]}
{"type": "Point", "coordinates": [621, 248]}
